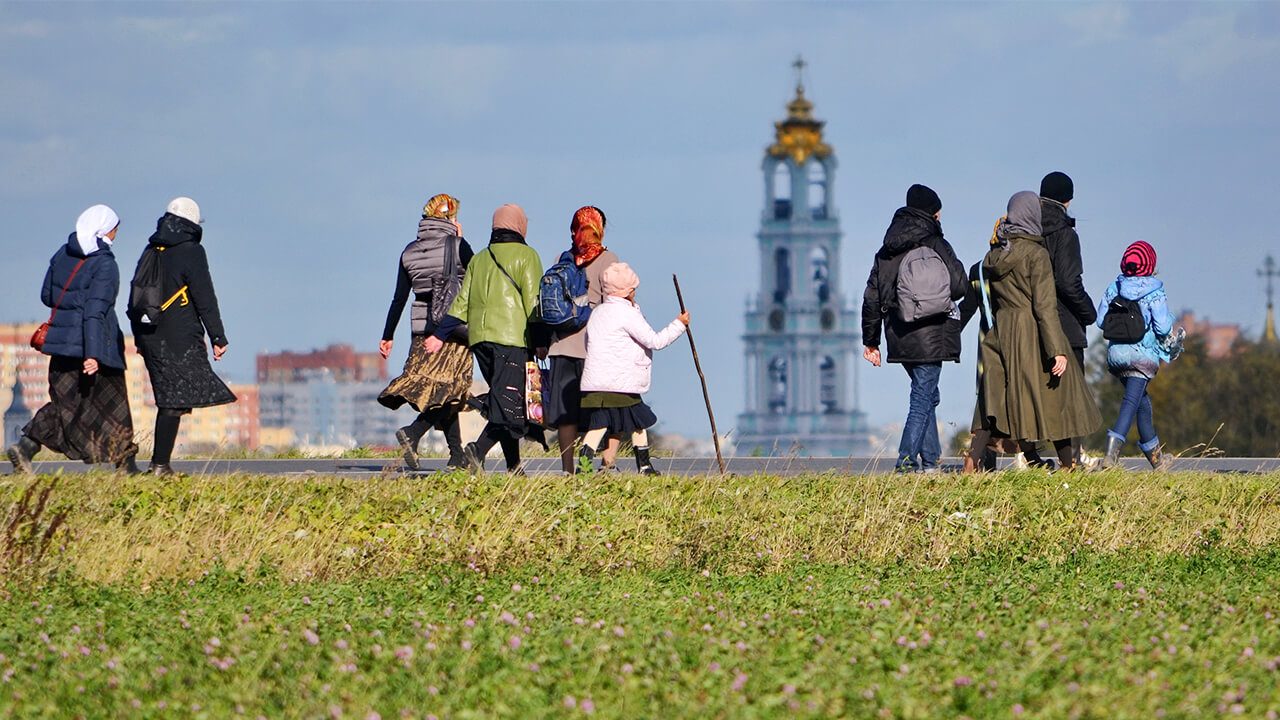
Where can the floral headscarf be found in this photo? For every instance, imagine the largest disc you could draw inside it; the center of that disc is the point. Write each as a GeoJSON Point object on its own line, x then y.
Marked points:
{"type": "Point", "coordinates": [441, 206]}
{"type": "Point", "coordinates": [587, 230]}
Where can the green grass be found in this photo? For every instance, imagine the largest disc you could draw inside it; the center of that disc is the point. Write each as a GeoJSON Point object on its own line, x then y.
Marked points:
{"type": "Point", "coordinates": [1105, 595]}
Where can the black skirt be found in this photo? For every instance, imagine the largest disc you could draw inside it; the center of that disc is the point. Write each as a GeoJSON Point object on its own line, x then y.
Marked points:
{"type": "Point", "coordinates": [503, 368]}
{"type": "Point", "coordinates": [561, 393]}
{"type": "Point", "coordinates": [618, 413]}
{"type": "Point", "coordinates": [181, 376]}
{"type": "Point", "coordinates": [87, 417]}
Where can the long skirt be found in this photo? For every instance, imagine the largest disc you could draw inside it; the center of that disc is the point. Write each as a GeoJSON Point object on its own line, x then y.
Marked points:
{"type": "Point", "coordinates": [431, 381]}
{"type": "Point", "coordinates": [181, 376]}
{"type": "Point", "coordinates": [561, 393]}
{"type": "Point", "coordinates": [503, 367]}
{"type": "Point", "coordinates": [87, 417]}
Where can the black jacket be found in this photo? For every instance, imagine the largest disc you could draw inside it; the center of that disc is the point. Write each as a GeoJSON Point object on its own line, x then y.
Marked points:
{"type": "Point", "coordinates": [174, 349]}
{"type": "Point", "coordinates": [935, 339]}
{"type": "Point", "coordinates": [1076, 310]}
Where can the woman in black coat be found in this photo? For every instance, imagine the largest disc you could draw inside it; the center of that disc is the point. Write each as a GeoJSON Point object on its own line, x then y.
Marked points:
{"type": "Point", "coordinates": [87, 416]}
{"type": "Point", "coordinates": [173, 347]}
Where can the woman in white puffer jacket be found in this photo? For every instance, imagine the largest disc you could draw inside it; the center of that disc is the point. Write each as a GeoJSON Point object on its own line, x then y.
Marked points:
{"type": "Point", "coordinates": [620, 345]}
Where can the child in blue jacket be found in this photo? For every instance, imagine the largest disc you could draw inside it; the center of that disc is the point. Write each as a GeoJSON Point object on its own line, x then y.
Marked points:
{"type": "Point", "coordinates": [1136, 364]}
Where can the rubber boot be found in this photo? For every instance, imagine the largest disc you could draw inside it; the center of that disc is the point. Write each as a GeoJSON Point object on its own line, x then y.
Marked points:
{"type": "Point", "coordinates": [586, 460]}
{"type": "Point", "coordinates": [21, 454]}
{"type": "Point", "coordinates": [1112, 458]}
{"type": "Point", "coordinates": [643, 466]}
{"type": "Point", "coordinates": [1160, 461]}
{"type": "Point", "coordinates": [410, 446]}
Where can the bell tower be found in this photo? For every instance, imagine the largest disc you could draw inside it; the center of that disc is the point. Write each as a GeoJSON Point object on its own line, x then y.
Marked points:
{"type": "Point", "coordinates": [801, 334]}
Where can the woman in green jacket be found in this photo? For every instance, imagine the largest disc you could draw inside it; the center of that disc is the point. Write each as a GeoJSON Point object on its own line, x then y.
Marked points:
{"type": "Point", "coordinates": [1033, 388]}
{"type": "Point", "coordinates": [497, 301]}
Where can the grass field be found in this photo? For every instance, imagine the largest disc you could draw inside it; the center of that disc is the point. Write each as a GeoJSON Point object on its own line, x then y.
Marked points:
{"type": "Point", "coordinates": [1012, 595]}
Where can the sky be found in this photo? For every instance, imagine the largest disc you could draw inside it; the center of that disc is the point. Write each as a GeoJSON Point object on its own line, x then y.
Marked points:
{"type": "Point", "coordinates": [311, 133]}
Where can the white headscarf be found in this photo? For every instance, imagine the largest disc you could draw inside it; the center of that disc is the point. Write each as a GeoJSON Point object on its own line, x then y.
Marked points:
{"type": "Point", "coordinates": [94, 224]}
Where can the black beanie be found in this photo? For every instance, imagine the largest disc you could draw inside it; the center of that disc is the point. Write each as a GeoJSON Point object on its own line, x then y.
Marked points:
{"type": "Point", "coordinates": [923, 198]}
{"type": "Point", "coordinates": [1057, 186]}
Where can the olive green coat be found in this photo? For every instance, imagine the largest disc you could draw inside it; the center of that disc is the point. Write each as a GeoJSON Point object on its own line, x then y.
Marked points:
{"type": "Point", "coordinates": [1018, 395]}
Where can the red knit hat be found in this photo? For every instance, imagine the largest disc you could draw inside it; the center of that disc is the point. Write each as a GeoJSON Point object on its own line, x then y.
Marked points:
{"type": "Point", "coordinates": [1139, 259]}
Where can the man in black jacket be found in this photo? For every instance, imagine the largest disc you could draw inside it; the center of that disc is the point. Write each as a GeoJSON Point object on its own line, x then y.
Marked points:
{"type": "Point", "coordinates": [922, 345]}
{"type": "Point", "coordinates": [1076, 309]}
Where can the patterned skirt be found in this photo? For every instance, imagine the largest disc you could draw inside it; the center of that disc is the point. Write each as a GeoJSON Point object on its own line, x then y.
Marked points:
{"type": "Point", "coordinates": [87, 417]}
{"type": "Point", "coordinates": [431, 381]}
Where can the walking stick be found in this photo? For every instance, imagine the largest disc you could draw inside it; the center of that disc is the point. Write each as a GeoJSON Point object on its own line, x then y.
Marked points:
{"type": "Point", "coordinates": [715, 436]}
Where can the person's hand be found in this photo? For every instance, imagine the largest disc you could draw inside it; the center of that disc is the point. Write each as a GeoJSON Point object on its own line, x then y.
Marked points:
{"type": "Point", "coordinates": [459, 226]}
{"type": "Point", "coordinates": [219, 351]}
{"type": "Point", "coordinates": [433, 344]}
{"type": "Point", "coordinates": [872, 355]}
{"type": "Point", "coordinates": [540, 353]}
{"type": "Point", "coordinates": [384, 348]}
{"type": "Point", "coordinates": [90, 366]}
{"type": "Point", "coordinates": [1059, 365]}
{"type": "Point", "coordinates": [684, 318]}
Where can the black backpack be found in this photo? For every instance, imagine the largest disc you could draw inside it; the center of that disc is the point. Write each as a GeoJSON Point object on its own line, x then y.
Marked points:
{"type": "Point", "coordinates": [1124, 322]}
{"type": "Point", "coordinates": [145, 292]}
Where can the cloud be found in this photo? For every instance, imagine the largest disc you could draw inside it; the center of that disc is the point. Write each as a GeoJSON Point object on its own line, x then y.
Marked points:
{"type": "Point", "coordinates": [35, 29]}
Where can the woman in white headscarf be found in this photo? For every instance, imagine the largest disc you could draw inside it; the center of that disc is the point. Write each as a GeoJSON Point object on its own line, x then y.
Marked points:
{"type": "Point", "coordinates": [87, 417]}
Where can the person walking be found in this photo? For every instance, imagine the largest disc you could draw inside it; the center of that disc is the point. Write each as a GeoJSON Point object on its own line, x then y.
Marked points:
{"type": "Point", "coordinates": [173, 343]}
{"type": "Point", "coordinates": [497, 301]}
{"type": "Point", "coordinates": [1075, 308]}
{"type": "Point", "coordinates": [920, 335]}
{"type": "Point", "coordinates": [87, 417]}
{"type": "Point", "coordinates": [618, 367]}
{"type": "Point", "coordinates": [568, 346]}
{"type": "Point", "coordinates": [436, 384]}
{"type": "Point", "coordinates": [1030, 391]}
{"type": "Point", "coordinates": [1135, 364]}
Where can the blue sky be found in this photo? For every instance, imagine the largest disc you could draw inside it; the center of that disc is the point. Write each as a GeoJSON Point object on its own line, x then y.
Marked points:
{"type": "Point", "coordinates": [311, 134]}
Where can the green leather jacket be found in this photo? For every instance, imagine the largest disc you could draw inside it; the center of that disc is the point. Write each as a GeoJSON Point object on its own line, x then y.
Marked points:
{"type": "Point", "coordinates": [495, 308]}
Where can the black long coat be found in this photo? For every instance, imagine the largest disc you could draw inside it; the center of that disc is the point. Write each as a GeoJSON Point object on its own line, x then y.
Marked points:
{"type": "Point", "coordinates": [1076, 310]}
{"type": "Point", "coordinates": [174, 349]}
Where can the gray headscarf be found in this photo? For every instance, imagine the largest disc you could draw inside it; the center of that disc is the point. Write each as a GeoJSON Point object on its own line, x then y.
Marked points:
{"type": "Point", "coordinates": [1023, 217]}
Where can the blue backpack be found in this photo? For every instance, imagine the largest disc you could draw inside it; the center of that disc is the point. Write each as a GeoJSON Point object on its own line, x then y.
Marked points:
{"type": "Point", "coordinates": [562, 295]}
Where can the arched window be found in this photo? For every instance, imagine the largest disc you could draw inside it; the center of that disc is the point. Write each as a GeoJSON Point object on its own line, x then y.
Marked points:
{"type": "Point", "coordinates": [782, 275]}
{"type": "Point", "coordinates": [827, 385]}
{"type": "Point", "coordinates": [820, 273]}
{"type": "Point", "coordinates": [817, 190]}
{"type": "Point", "coordinates": [778, 385]}
{"type": "Point", "coordinates": [782, 191]}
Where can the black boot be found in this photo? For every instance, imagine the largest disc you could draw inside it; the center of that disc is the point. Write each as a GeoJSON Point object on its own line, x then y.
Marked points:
{"type": "Point", "coordinates": [643, 466]}
{"type": "Point", "coordinates": [129, 466]}
{"type": "Point", "coordinates": [1112, 458]}
{"type": "Point", "coordinates": [586, 460]}
{"type": "Point", "coordinates": [21, 454]}
{"type": "Point", "coordinates": [161, 470]}
{"type": "Point", "coordinates": [453, 438]}
{"type": "Point", "coordinates": [409, 444]}
{"type": "Point", "coordinates": [474, 458]}
{"type": "Point", "coordinates": [1160, 461]}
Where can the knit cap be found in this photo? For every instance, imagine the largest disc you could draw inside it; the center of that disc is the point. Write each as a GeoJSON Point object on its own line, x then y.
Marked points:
{"type": "Point", "coordinates": [922, 197]}
{"type": "Point", "coordinates": [1138, 259]}
{"type": "Point", "coordinates": [1057, 186]}
{"type": "Point", "coordinates": [619, 280]}
{"type": "Point", "coordinates": [511, 217]}
{"type": "Point", "coordinates": [185, 207]}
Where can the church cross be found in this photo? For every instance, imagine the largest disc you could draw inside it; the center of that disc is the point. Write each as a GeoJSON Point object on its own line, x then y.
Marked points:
{"type": "Point", "coordinates": [1269, 272]}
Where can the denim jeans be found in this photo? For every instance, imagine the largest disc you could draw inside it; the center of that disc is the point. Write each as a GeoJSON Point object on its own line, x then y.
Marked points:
{"type": "Point", "coordinates": [920, 432]}
{"type": "Point", "coordinates": [1136, 404]}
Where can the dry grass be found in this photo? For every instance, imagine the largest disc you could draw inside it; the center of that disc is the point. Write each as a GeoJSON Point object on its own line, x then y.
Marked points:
{"type": "Point", "coordinates": [130, 529]}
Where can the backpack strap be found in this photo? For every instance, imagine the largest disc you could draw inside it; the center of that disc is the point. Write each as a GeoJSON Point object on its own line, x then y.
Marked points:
{"type": "Point", "coordinates": [985, 291]}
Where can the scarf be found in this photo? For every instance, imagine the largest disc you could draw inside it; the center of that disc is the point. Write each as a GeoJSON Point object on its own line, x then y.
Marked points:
{"type": "Point", "coordinates": [1023, 218]}
{"type": "Point", "coordinates": [587, 230]}
{"type": "Point", "coordinates": [93, 225]}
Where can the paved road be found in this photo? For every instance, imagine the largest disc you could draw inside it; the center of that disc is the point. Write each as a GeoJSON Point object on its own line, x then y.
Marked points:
{"type": "Point", "coordinates": [377, 467]}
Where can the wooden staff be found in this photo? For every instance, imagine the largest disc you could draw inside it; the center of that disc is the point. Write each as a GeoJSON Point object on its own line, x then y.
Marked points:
{"type": "Point", "coordinates": [715, 436]}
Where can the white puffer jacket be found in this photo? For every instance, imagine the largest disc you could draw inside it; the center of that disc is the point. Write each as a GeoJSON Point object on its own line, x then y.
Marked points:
{"type": "Point", "coordinates": [620, 347]}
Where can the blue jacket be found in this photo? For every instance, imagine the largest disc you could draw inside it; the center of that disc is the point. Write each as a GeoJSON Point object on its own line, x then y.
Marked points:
{"type": "Point", "coordinates": [85, 325]}
{"type": "Point", "coordinates": [1146, 354]}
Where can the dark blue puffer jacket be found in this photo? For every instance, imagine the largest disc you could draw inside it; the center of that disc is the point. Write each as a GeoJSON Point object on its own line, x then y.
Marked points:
{"type": "Point", "coordinates": [85, 325]}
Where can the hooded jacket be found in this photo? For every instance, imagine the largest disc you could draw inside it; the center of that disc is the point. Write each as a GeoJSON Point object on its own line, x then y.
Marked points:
{"type": "Point", "coordinates": [85, 324]}
{"type": "Point", "coordinates": [934, 339]}
{"type": "Point", "coordinates": [1075, 307]}
{"type": "Point", "coordinates": [1143, 357]}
